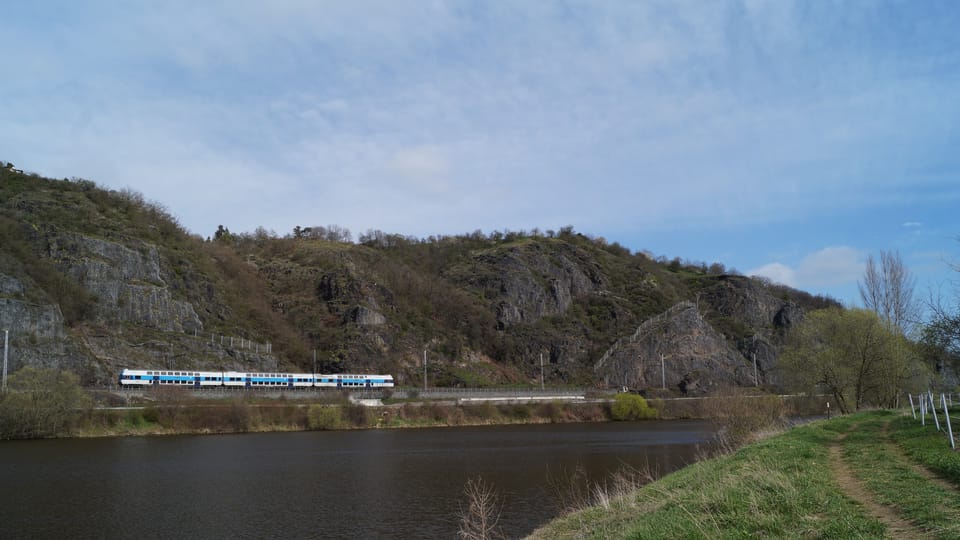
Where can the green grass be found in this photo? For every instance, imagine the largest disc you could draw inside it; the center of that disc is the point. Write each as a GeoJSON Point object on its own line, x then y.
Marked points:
{"type": "Point", "coordinates": [781, 487]}
{"type": "Point", "coordinates": [927, 446]}
{"type": "Point", "coordinates": [784, 487]}
{"type": "Point", "coordinates": [894, 481]}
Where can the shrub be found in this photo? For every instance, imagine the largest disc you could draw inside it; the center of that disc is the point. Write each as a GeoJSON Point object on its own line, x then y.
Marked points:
{"type": "Point", "coordinates": [324, 417]}
{"type": "Point", "coordinates": [239, 417]}
{"type": "Point", "coordinates": [739, 416]}
{"type": "Point", "coordinates": [357, 414]}
{"type": "Point", "coordinates": [40, 403]}
{"type": "Point", "coordinates": [483, 411]}
{"type": "Point", "coordinates": [631, 407]}
{"type": "Point", "coordinates": [552, 411]}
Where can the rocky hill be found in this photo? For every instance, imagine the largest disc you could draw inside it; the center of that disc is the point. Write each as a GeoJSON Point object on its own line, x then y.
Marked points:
{"type": "Point", "coordinates": [94, 280]}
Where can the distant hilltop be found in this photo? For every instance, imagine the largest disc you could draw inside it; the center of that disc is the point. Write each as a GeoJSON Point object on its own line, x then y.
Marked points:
{"type": "Point", "coordinates": [93, 280]}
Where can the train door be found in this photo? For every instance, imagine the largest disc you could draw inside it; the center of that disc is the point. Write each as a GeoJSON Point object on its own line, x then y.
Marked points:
{"type": "Point", "coordinates": [196, 381]}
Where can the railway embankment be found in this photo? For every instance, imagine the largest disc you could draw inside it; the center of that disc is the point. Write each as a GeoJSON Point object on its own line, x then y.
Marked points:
{"type": "Point", "coordinates": [877, 474]}
{"type": "Point", "coordinates": [178, 410]}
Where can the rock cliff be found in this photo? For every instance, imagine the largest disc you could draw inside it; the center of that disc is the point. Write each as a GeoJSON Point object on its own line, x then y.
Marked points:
{"type": "Point", "coordinates": [126, 281]}
{"type": "Point", "coordinates": [93, 281]}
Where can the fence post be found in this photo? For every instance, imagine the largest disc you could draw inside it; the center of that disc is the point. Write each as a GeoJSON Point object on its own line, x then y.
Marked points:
{"type": "Point", "coordinates": [946, 416]}
{"type": "Point", "coordinates": [912, 410]}
{"type": "Point", "coordinates": [923, 410]}
{"type": "Point", "coordinates": [933, 408]}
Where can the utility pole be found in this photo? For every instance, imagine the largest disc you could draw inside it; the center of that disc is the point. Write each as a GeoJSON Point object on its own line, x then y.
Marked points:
{"type": "Point", "coordinates": [314, 361]}
{"type": "Point", "coordinates": [663, 373]}
{"type": "Point", "coordinates": [6, 349]}
{"type": "Point", "coordinates": [541, 371]}
{"type": "Point", "coordinates": [424, 369]}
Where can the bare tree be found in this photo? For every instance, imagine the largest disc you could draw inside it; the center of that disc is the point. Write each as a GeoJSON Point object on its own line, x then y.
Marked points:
{"type": "Point", "coordinates": [944, 327]}
{"type": "Point", "coordinates": [479, 520]}
{"type": "Point", "coordinates": [888, 291]}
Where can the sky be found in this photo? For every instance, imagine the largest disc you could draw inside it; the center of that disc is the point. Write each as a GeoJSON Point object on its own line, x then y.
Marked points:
{"type": "Point", "coordinates": [785, 139]}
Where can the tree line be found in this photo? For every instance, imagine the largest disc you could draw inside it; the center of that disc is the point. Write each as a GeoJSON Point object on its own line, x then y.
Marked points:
{"type": "Point", "coordinates": [870, 356]}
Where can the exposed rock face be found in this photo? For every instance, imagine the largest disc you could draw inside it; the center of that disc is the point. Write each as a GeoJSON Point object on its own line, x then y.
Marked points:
{"type": "Point", "coordinates": [10, 286]}
{"type": "Point", "coordinates": [36, 320]}
{"type": "Point", "coordinates": [676, 349]}
{"type": "Point", "coordinates": [37, 336]}
{"type": "Point", "coordinates": [743, 300]}
{"type": "Point", "coordinates": [127, 282]}
{"type": "Point", "coordinates": [531, 284]}
{"type": "Point", "coordinates": [365, 316]}
{"type": "Point", "coordinates": [788, 316]}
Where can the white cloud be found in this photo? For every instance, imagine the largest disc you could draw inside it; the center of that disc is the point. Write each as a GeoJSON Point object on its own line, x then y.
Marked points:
{"type": "Point", "coordinates": [776, 272]}
{"type": "Point", "coordinates": [829, 267]}
{"type": "Point", "coordinates": [422, 167]}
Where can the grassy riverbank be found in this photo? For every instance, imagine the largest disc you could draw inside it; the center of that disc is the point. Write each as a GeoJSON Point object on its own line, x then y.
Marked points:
{"type": "Point", "coordinates": [173, 416]}
{"type": "Point", "coordinates": [870, 475]}
{"type": "Point", "coordinates": [173, 411]}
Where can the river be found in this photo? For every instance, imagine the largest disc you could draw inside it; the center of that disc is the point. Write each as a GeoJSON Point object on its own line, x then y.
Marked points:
{"type": "Point", "coordinates": [404, 483]}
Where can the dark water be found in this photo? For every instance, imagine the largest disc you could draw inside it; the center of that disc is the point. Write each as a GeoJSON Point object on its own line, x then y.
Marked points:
{"type": "Point", "coordinates": [350, 484]}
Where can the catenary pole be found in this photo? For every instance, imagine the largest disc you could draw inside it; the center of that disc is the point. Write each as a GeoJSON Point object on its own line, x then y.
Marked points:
{"type": "Point", "coordinates": [663, 373]}
{"type": "Point", "coordinates": [6, 350]}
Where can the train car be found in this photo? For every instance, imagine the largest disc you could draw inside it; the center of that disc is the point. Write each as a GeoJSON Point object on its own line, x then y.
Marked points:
{"type": "Point", "coordinates": [362, 381]}
{"type": "Point", "coordinates": [152, 377]}
{"type": "Point", "coordinates": [268, 380]}
{"type": "Point", "coordinates": [236, 379]}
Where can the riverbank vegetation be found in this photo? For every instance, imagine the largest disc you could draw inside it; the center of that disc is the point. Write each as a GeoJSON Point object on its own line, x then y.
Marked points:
{"type": "Point", "coordinates": [866, 475]}
{"type": "Point", "coordinates": [41, 403]}
{"type": "Point", "coordinates": [46, 403]}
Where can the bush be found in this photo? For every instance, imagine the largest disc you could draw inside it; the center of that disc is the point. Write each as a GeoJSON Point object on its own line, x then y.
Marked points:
{"type": "Point", "coordinates": [239, 417]}
{"type": "Point", "coordinates": [552, 411]}
{"type": "Point", "coordinates": [357, 414]}
{"type": "Point", "coordinates": [324, 417]}
{"type": "Point", "coordinates": [40, 403]}
{"type": "Point", "coordinates": [483, 411]}
{"type": "Point", "coordinates": [631, 407]}
{"type": "Point", "coordinates": [740, 416]}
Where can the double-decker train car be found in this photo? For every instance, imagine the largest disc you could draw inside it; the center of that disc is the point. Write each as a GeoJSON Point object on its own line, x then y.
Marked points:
{"type": "Point", "coordinates": [237, 379]}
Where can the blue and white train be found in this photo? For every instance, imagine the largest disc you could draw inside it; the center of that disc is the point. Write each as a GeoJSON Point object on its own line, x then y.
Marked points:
{"type": "Point", "coordinates": [204, 379]}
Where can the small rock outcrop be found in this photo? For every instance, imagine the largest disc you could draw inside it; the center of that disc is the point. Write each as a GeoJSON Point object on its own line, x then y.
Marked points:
{"type": "Point", "coordinates": [677, 349]}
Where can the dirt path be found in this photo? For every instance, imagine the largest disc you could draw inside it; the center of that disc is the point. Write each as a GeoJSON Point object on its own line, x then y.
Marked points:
{"type": "Point", "coordinates": [897, 527]}
{"type": "Point", "coordinates": [917, 468]}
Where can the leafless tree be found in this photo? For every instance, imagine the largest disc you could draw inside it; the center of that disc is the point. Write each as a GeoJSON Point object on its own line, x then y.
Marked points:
{"type": "Point", "coordinates": [480, 519]}
{"type": "Point", "coordinates": [944, 327]}
{"type": "Point", "coordinates": [888, 290]}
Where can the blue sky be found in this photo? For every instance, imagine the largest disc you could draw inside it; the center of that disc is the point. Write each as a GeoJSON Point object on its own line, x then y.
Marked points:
{"type": "Point", "coordinates": [787, 139]}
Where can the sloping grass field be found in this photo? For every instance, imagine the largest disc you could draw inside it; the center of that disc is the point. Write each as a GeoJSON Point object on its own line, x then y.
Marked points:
{"type": "Point", "coordinates": [877, 474]}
